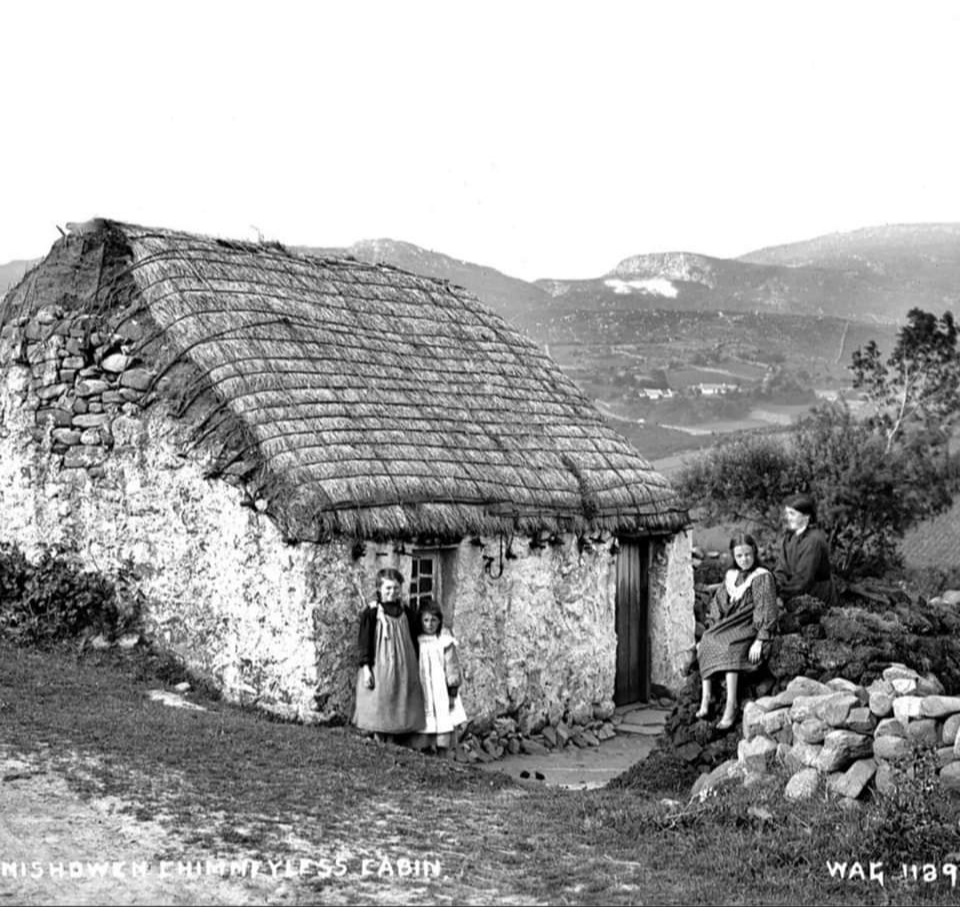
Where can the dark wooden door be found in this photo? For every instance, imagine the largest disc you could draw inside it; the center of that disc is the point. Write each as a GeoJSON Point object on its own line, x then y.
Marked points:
{"type": "Point", "coordinates": [633, 625]}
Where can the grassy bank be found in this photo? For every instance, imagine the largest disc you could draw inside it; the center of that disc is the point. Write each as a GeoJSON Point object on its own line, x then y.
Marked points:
{"type": "Point", "coordinates": [231, 783]}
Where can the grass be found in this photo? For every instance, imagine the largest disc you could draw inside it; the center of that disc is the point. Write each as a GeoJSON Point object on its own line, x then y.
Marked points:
{"type": "Point", "coordinates": [231, 783]}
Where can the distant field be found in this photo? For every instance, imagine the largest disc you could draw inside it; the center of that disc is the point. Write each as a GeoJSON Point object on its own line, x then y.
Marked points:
{"type": "Point", "coordinates": [935, 543]}
{"type": "Point", "coordinates": [726, 373]}
{"type": "Point", "coordinates": [655, 441]}
{"type": "Point", "coordinates": [723, 427]}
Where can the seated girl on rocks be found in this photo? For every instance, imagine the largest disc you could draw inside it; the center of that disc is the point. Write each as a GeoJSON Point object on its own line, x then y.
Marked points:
{"type": "Point", "coordinates": [742, 617]}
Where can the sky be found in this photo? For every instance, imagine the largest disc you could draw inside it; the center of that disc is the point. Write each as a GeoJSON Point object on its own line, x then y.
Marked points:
{"type": "Point", "coordinates": [544, 139]}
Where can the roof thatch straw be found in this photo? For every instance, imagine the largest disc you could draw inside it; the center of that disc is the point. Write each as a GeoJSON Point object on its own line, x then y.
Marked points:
{"type": "Point", "coordinates": [356, 399]}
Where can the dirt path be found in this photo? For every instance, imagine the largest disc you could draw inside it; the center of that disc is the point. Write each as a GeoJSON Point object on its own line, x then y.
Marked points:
{"type": "Point", "coordinates": [56, 848]}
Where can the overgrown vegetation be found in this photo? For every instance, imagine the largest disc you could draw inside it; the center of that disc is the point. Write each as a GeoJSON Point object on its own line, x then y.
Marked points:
{"type": "Point", "coordinates": [56, 597]}
{"type": "Point", "coordinates": [914, 824]}
{"type": "Point", "coordinates": [920, 380]}
{"type": "Point", "coordinates": [913, 817]}
{"type": "Point", "coordinates": [873, 478]}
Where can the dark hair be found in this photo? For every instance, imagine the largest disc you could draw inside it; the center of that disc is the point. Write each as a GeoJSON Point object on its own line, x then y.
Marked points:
{"type": "Point", "coordinates": [745, 538]}
{"type": "Point", "coordinates": [389, 573]}
{"type": "Point", "coordinates": [430, 608]}
{"type": "Point", "coordinates": [803, 503]}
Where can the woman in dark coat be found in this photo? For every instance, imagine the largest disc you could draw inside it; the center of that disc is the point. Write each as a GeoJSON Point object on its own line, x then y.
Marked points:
{"type": "Point", "coordinates": [743, 614]}
{"type": "Point", "coordinates": [803, 561]}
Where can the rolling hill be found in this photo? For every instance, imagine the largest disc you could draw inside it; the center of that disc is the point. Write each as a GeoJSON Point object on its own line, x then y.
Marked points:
{"type": "Point", "coordinates": [518, 301]}
{"type": "Point", "coordinates": [876, 274]}
{"type": "Point", "coordinates": [11, 272]}
{"type": "Point", "coordinates": [873, 275]}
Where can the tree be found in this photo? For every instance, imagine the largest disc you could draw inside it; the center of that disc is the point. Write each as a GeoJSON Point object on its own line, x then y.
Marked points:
{"type": "Point", "coordinates": [867, 495]}
{"type": "Point", "coordinates": [742, 480]}
{"type": "Point", "coordinates": [920, 380]}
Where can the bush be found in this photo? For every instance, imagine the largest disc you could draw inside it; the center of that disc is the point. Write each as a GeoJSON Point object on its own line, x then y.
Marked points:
{"type": "Point", "coordinates": [57, 598]}
{"type": "Point", "coordinates": [867, 495]}
{"type": "Point", "coordinates": [914, 818]}
{"type": "Point", "coordinates": [931, 581]}
{"type": "Point", "coordinates": [14, 569]}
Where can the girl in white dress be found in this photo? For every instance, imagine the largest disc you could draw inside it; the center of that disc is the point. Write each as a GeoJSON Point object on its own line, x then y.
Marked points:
{"type": "Point", "coordinates": [440, 680]}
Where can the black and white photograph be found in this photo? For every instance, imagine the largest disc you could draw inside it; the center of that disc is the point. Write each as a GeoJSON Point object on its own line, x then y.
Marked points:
{"type": "Point", "coordinates": [479, 453]}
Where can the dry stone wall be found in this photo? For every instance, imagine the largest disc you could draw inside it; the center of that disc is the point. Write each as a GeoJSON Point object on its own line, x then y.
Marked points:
{"type": "Point", "coordinates": [844, 737]}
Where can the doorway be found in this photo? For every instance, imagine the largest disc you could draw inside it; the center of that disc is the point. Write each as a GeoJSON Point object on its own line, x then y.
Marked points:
{"type": "Point", "coordinates": [633, 622]}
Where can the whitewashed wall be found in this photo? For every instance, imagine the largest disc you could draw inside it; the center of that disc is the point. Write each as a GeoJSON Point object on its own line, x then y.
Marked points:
{"type": "Point", "coordinates": [671, 608]}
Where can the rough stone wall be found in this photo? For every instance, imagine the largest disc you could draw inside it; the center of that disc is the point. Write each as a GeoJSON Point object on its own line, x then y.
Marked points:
{"type": "Point", "coordinates": [223, 590]}
{"type": "Point", "coordinates": [847, 737]}
{"type": "Point", "coordinates": [671, 609]}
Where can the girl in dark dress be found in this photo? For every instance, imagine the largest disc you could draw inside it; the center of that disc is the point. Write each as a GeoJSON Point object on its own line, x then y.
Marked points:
{"type": "Point", "coordinates": [742, 617]}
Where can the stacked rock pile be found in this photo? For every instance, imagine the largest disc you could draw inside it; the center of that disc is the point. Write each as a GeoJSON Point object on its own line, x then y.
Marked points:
{"type": "Point", "coordinates": [487, 740]}
{"type": "Point", "coordinates": [845, 736]}
{"type": "Point", "coordinates": [83, 376]}
{"type": "Point", "coordinates": [876, 624]}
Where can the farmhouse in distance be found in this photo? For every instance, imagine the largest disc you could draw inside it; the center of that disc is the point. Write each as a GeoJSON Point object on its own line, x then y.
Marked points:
{"type": "Point", "coordinates": [253, 432]}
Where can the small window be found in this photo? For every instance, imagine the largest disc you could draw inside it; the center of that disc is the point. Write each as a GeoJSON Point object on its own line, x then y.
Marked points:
{"type": "Point", "coordinates": [433, 580]}
{"type": "Point", "coordinates": [425, 580]}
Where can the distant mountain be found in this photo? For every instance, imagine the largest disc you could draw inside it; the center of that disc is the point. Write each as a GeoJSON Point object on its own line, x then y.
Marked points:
{"type": "Point", "coordinates": [876, 274]}
{"type": "Point", "coordinates": [894, 249]}
{"type": "Point", "coordinates": [11, 272]}
{"type": "Point", "coordinates": [687, 281]}
{"type": "Point", "coordinates": [518, 301]}
{"type": "Point", "coordinates": [917, 264]}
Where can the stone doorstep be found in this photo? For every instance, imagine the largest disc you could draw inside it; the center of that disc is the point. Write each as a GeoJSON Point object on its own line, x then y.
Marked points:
{"type": "Point", "coordinates": [644, 717]}
{"type": "Point", "coordinates": [647, 730]}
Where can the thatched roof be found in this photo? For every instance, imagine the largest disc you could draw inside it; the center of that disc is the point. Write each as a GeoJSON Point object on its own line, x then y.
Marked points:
{"type": "Point", "coordinates": [353, 398]}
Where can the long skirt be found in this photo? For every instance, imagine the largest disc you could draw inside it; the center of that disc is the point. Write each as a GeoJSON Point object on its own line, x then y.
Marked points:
{"type": "Point", "coordinates": [726, 645]}
{"type": "Point", "coordinates": [395, 704]}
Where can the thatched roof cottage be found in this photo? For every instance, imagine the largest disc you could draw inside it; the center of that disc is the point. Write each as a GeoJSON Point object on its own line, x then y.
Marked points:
{"type": "Point", "coordinates": [254, 433]}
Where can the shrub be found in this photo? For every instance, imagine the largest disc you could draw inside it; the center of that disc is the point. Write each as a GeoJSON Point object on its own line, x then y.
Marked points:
{"type": "Point", "coordinates": [14, 569]}
{"type": "Point", "coordinates": [867, 495]}
{"type": "Point", "coordinates": [929, 581]}
{"type": "Point", "coordinates": [914, 818]}
{"type": "Point", "coordinates": [57, 598]}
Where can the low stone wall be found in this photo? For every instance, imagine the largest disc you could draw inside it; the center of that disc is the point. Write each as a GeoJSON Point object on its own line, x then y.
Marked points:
{"type": "Point", "coordinates": [844, 736]}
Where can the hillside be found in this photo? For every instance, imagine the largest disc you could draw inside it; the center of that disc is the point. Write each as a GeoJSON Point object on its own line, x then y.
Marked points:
{"type": "Point", "coordinates": [920, 249]}
{"type": "Point", "coordinates": [912, 264]}
{"type": "Point", "coordinates": [518, 301]}
{"type": "Point", "coordinates": [876, 284]}
{"type": "Point", "coordinates": [11, 272]}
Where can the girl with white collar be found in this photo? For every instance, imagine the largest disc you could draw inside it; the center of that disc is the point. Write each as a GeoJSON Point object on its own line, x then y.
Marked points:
{"type": "Point", "coordinates": [742, 617]}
